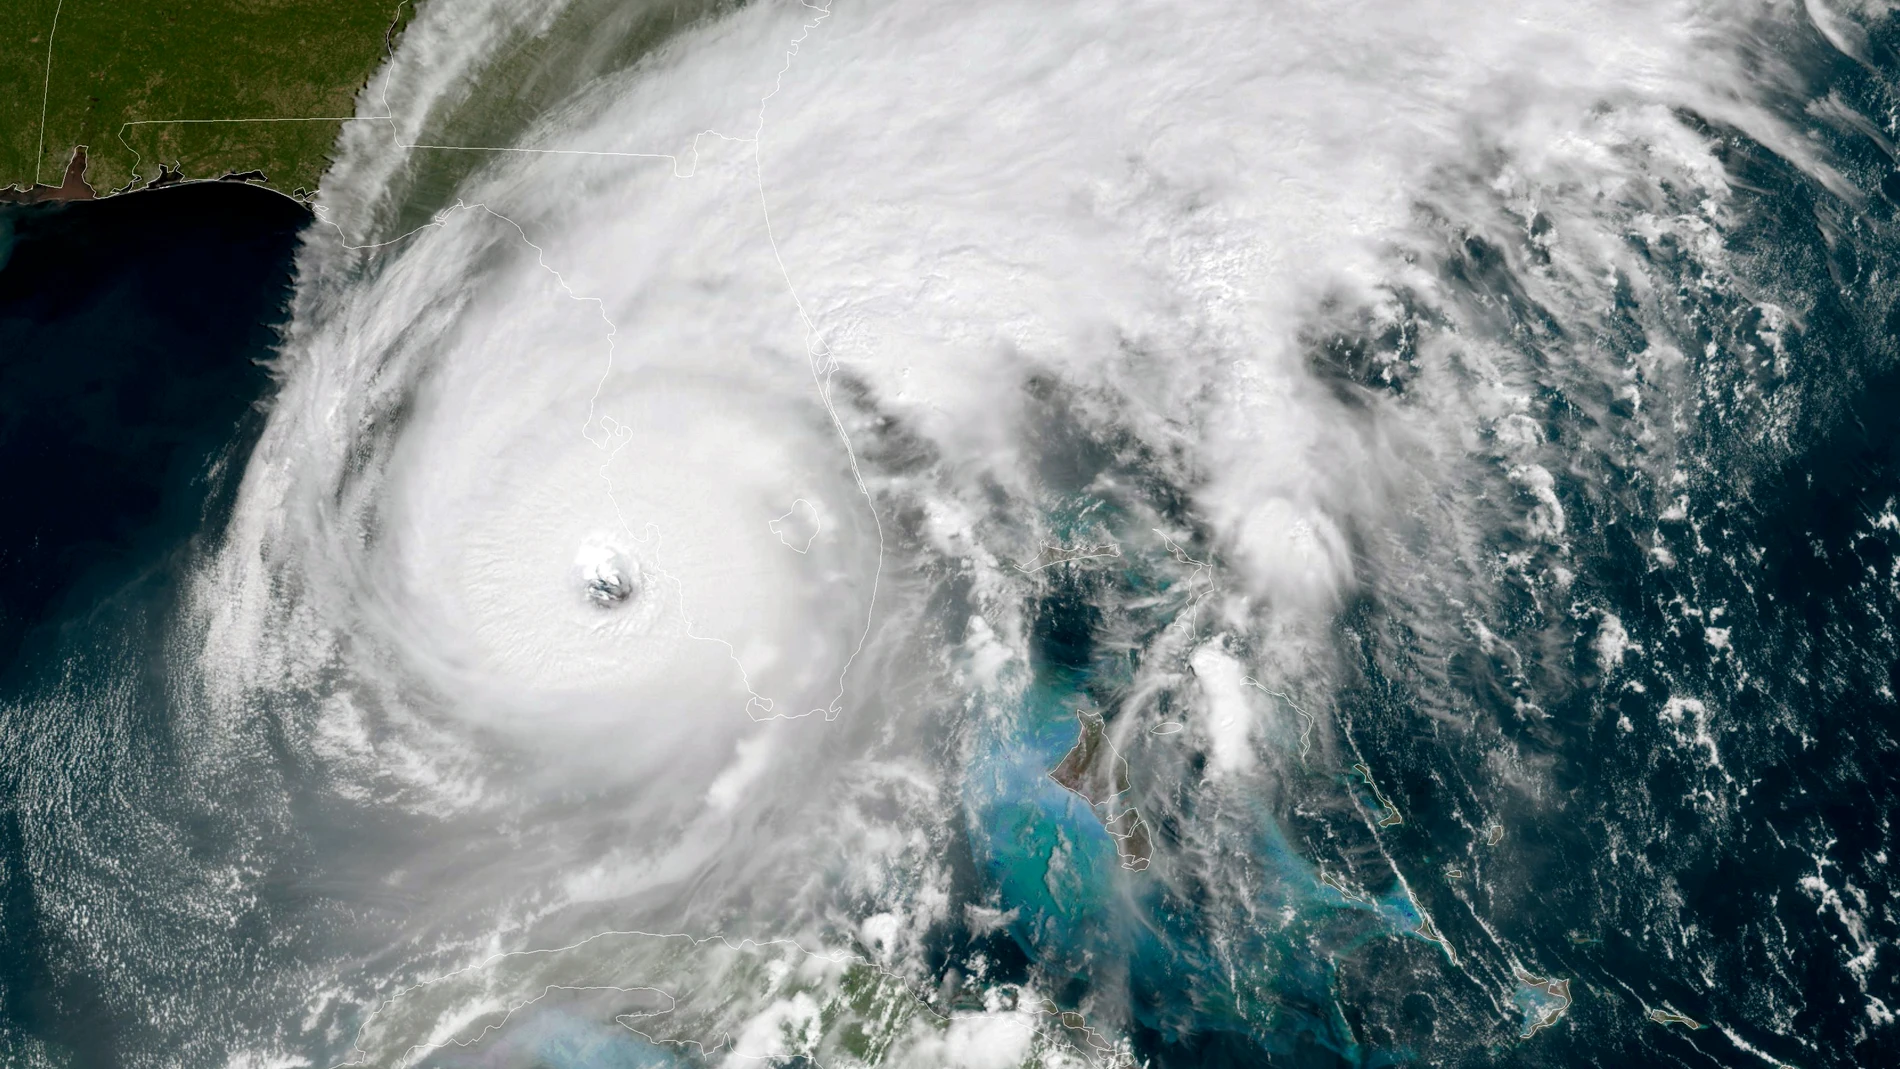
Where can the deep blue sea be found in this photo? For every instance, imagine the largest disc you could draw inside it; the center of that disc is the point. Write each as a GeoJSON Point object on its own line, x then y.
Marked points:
{"type": "Point", "coordinates": [133, 335]}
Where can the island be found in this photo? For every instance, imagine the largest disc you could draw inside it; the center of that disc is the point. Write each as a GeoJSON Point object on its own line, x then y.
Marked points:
{"type": "Point", "coordinates": [100, 98]}
{"type": "Point", "coordinates": [1051, 555]}
{"type": "Point", "coordinates": [1389, 813]}
{"type": "Point", "coordinates": [1543, 1000]}
{"type": "Point", "coordinates": [1672, 1017]}
{"type": "Point", "coordinates": [1098, 775]}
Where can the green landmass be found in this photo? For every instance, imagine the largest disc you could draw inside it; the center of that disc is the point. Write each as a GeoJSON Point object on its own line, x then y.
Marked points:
{"type": "Point", "coordinates": [122, 75]}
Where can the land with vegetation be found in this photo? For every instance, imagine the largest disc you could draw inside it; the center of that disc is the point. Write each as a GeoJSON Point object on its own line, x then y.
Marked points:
{"type": "Point", "coordinates": [201, 88]}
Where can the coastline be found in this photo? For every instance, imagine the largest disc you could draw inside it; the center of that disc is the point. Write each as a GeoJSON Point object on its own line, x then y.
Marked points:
{"type": "Point", "coordinates": [73, 186]}
{"type": "Point", "coordinates": [136, 333]}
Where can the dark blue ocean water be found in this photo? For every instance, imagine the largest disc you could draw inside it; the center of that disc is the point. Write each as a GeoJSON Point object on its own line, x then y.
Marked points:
{"type": "Point", "coordinates": [132, 332]}
{"type": "Point", "coordinates": [1703, 825]}
{"type": "Point", "coordinates": [1721, 835]}
{"type": "Point", "coordinates": [131, 335]}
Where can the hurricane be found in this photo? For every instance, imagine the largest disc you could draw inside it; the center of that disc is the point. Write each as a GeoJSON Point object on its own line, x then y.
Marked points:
{"type": "Point", "coordinates": [1227, 532]}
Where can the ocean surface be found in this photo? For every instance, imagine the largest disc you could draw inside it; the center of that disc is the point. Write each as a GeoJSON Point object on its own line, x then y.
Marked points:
{"type": "Point", "coordinates": [134, 334]}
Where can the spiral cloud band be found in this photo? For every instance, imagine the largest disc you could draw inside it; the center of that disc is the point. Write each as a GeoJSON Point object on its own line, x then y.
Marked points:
{"type": "Point", "coordinates": [727, 461]}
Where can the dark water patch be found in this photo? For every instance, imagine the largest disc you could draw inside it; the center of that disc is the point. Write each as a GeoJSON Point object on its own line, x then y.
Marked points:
{"type": "Point", "coordinates": [1062, 635]}
{"type": "Point", "coordinates": [131, 331]}
{"type": "Point", "coordinates": [1703, 820]}
{"type": "Point", "coordinates": [132, 335]}
{"type": "Point", "coordinates": [1227, 1050]}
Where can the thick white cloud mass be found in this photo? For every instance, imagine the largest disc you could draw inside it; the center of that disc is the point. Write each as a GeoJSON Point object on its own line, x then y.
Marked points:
{"type": "Point", "coordinates": [668, 494]}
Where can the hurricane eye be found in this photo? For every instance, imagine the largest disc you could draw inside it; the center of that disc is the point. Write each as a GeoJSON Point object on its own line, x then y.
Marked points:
{"type": "Point", "coordinates": [609, 577]}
